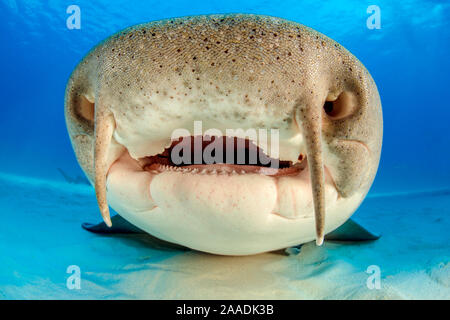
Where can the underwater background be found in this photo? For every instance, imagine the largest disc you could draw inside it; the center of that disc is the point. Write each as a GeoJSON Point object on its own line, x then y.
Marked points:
{"type": "Point", "coordinates": [408, 57]}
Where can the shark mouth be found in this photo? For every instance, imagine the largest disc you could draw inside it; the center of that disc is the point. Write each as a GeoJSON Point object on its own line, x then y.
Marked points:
{"type": "Point", "coordinates": [307, 180]}
{"type": "Point", "coordinates": [227, 155]}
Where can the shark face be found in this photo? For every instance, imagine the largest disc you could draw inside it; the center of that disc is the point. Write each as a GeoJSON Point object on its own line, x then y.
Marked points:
{"type": "Point", "coordinates": [231, 74]}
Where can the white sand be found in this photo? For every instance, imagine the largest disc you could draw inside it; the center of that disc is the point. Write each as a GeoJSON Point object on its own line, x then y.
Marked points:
{"type": "Point", "coordinates": [40, 236]}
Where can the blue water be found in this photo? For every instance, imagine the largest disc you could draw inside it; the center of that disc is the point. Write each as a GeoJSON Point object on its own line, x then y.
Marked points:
{"type": "Point", "coordinates": [408, 58]}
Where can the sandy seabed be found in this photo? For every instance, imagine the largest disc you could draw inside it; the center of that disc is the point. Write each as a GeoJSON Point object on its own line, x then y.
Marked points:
{"type": "Point", "coordinates": [40, 236]}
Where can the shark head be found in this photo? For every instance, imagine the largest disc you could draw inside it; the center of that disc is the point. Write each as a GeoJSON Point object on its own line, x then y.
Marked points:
{"type": "Point", "coordinates": [156, 93]}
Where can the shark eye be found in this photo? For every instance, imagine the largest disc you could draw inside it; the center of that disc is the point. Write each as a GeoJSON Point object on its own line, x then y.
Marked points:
{"type": "Point", "coordinates": [343, 106]}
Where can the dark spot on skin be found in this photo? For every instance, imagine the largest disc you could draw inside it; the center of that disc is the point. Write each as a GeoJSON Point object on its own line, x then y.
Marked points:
{"type": "Point", "coordinates": [178, 50]}
{"type": "Point", "coordinates": [234, 60]}
{"type": "Point", "coordinates": [289, 54]}
{"type": "Point", "coordinates": [206, 39]}
{"type": "Point", "coordinates": [275, 35]}
{"type": "Point", "coordinates": [144, 32]}
{"type": "Point", "coordinates": [212, 64]}
{"type": "Point", "coordinates": [226, 51]}
{"type": "Point", "coordinates": [153, 34]}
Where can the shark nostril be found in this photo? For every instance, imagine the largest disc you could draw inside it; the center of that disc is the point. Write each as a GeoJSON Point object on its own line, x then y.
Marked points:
{"type": "Point", "coordinates": [339, 108]}
{"type": "Point", "coordinates": [85, 108]}
{"type": "Point", "coordinates": [328, 107]}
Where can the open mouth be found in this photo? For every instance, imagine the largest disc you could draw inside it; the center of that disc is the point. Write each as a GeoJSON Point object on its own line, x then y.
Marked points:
{"type": "Point", "coordinates": [223, 164]}
{"type": "Point", "coordinates": [219, 155]}
{"type": "Point", "coordinates": [233, 201]}
{"type": "Point", "coordinates": [213, 180]}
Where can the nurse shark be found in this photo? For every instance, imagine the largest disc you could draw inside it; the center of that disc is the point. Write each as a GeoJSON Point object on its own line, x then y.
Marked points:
{"type": "Point", "coordinates": [131, 92]}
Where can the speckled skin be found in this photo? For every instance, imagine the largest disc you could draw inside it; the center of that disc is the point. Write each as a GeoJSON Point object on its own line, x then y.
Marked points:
{"type": "Point", "coordinates": [231, 71]}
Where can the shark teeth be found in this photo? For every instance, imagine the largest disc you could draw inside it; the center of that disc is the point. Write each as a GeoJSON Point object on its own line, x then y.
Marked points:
{"type": "Point", "coordinates": [201, 171]}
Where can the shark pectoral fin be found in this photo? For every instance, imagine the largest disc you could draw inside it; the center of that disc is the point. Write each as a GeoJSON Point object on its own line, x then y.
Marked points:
{"type": "Point", "coordinates": [351, 231]}
{"type": "Point", "coordinates": [119, 225]}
